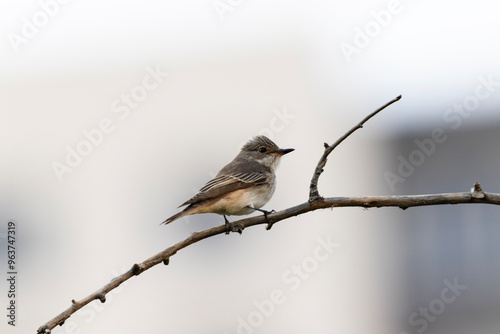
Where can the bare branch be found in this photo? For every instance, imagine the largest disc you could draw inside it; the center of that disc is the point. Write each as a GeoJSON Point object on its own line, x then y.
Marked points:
{"type": "Point", "coordinates": [477, 195]}
{"type": "Point", "coordinates": [313, 188]}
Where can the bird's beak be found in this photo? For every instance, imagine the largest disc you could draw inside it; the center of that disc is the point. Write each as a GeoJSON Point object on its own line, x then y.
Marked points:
{"type": "Point", "coordinates": [284, 151]}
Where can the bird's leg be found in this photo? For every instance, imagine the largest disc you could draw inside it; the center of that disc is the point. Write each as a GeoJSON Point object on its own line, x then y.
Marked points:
{"type": "Point", "coordinates": [265, 212]}
{"type": "Point", "coordinates": [226, 222]}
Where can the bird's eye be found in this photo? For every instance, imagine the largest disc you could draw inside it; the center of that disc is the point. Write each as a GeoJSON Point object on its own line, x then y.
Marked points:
{"type": "Point", "coordinates": [262, 149]}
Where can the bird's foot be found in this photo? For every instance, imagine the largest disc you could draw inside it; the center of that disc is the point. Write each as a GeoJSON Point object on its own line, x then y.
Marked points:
{"type": "Point", "coordinates": [266, 213]}
{"type": "Point", "coordinates": [233, 227]}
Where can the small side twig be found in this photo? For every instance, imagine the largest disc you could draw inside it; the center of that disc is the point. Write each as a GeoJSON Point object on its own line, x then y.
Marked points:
{"type": "Point", "coordinates": [313, 188]}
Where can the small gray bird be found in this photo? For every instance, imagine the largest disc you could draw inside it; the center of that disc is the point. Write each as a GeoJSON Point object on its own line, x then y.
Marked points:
{"type": "Point", "coordinates": [244, 185]}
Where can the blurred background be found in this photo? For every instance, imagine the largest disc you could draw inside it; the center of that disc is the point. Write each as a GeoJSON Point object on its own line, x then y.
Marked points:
{"type": "Point", "coordinates": [113, 113]}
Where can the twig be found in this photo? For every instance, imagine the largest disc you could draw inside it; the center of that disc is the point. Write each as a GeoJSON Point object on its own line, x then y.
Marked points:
{"type": "Point", "coordinates": [313, 188]}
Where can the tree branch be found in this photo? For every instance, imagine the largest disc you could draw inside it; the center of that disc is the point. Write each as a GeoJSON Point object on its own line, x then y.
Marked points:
{"type": "Point", "coordinates": [313, 188]}
{"type": "Point", "coordinates": [476, 195]}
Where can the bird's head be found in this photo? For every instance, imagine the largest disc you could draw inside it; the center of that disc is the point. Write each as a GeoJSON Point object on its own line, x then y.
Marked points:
{"type": "Point", "coordinates": [265, 151]}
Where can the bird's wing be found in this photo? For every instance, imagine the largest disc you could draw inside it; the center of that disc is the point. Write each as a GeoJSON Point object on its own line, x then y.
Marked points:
{"type": "Point", "coordinates": [225, 184]}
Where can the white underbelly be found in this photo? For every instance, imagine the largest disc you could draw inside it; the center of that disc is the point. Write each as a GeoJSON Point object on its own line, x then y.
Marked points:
{"type": "Point", "coordinates": [239, 202]}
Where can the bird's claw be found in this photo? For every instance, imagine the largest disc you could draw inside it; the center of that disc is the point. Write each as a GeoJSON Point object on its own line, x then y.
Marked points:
{"type": "Point", "coordinates": [269, 224]}
{"type": "Point", "coordinates": [234, 227]}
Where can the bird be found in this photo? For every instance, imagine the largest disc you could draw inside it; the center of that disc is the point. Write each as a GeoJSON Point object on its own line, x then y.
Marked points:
{"type": "Point", "coordinates": [241, 187]}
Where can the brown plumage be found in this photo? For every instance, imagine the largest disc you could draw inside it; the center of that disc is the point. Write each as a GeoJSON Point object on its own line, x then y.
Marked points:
{"type": "Point", "coordinates": [244, 185]}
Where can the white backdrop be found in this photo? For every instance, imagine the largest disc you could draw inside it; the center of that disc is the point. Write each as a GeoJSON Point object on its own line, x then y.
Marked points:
{"type": "Point", "coordinates": [113, 113]}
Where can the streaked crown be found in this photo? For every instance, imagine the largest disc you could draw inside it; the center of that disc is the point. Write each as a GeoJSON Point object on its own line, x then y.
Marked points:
{"type": "Point", "coordinates": [260, 143]}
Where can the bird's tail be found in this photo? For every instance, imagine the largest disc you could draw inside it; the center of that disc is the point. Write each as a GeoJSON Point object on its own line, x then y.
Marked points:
{"type": "Point", "coordinates": [175, 217]}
